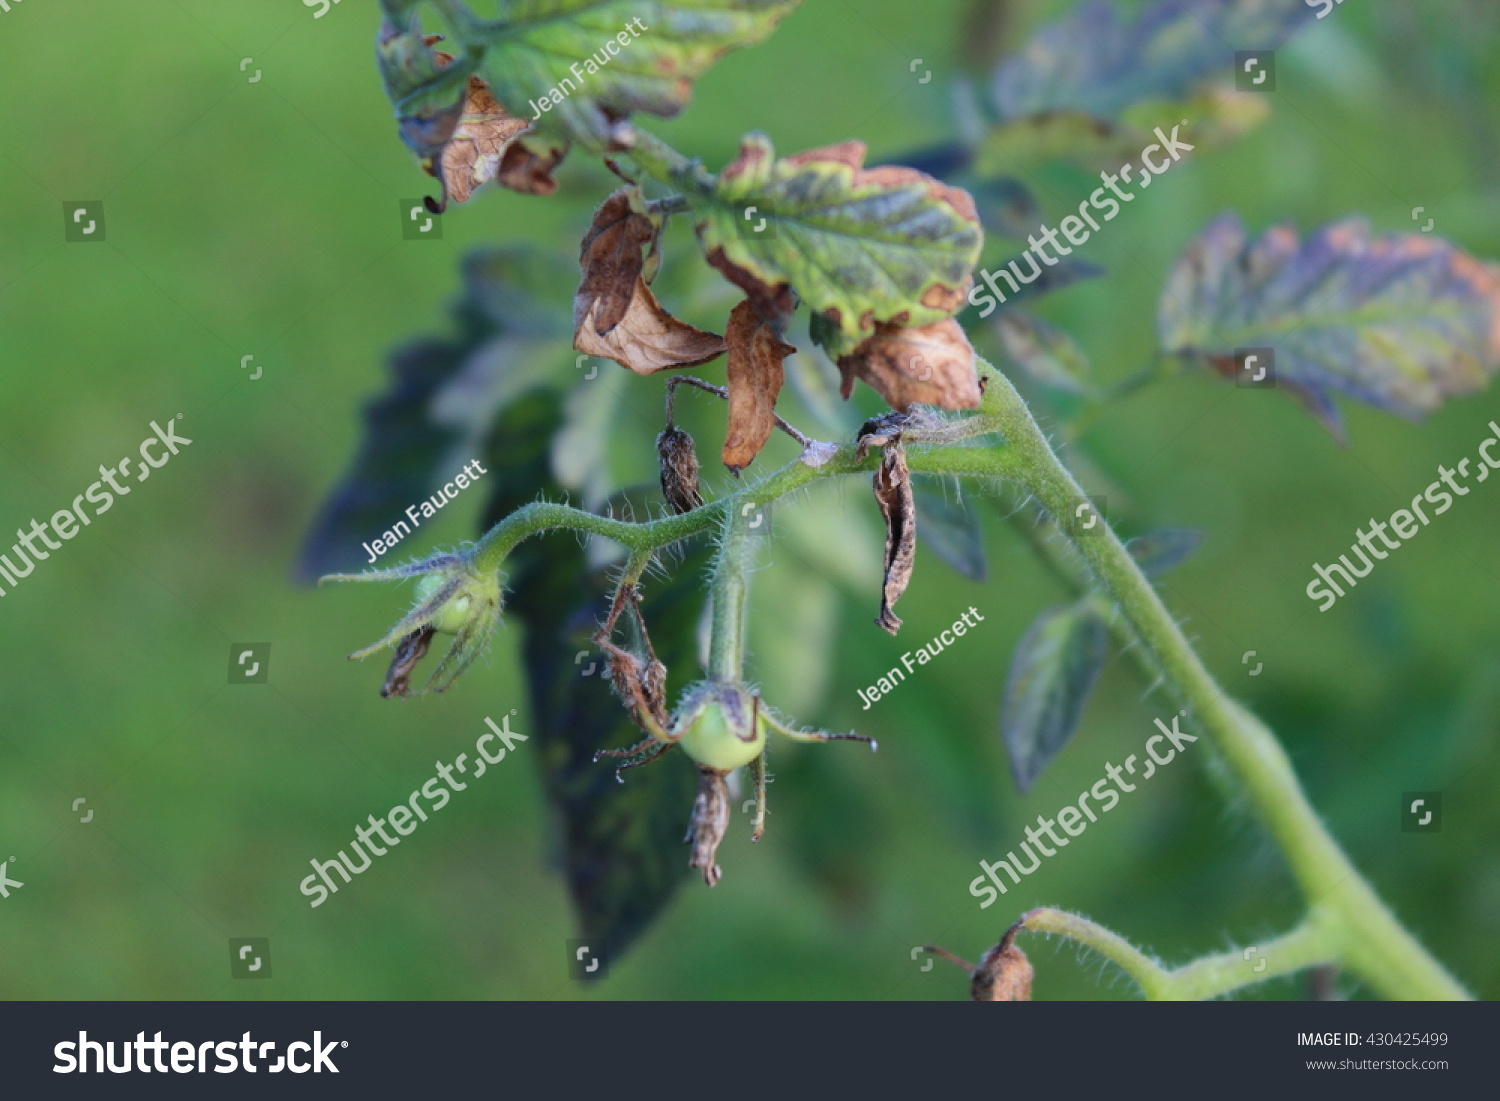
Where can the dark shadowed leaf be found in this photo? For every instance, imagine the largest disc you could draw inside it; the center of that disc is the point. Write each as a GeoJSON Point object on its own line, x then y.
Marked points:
{"type": "Point", "coordinates": [948, 526]}
{"type": "Point", "coordinates": [621, 843]}
{"type": "Point", "coordinates": [441, 400]}
{"type": "Point", "coordinates": [1099, 62]}
{"type": "Point", "coordinates": [1091, 86]}
{"type": "Point", "coordinates": [1399, 322]}
{"type": "Point", "coordinates": [1156, 552]}
{"type": "Point", "coordinates": [1047, 354]}
{"type": "Point", "coordinates": [833, 828]}
{"type": "Point", "coordinates": [1052, 672]}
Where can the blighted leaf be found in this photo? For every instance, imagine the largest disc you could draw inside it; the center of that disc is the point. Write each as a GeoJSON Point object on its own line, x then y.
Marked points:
{"type": "Point", "coordinates": [894, 495]}
{"type": "Point", "coordinates": [578, 66]}
{"type": "Point", "coordinates": [861, 246]}
{"type": "Point", "coordinates": [1052, 672]}
{"type": "Point", "coordinates": [1156, 552]}
{"type": "Point", "coordinates": [755, 378]}
{"type": "Point", "coordinates": [427, 93]}
{"type": "Point", "coordinates": [1399, 322]}
{"type": "Point", "coordinates": [528, 164]}
{"type": "Point", "coordinates": [930, 365]}
{"type": "Point", "coordinates": [950, 529]}
{"type": "Point", "coordinates": [1047, 354]}
{"type": "Point", "coordinates": [620, 843]}
{"type": "Point", "coordinates": [1092, 61]}
{"type": "Point", "coordinates": [473, 155]}
{"type": "Point", "coordinates": [615, 315]}
{"type": "Point", "coordinates": [611, 257]}
{"type": "Point", "coordinates": [647, 339]}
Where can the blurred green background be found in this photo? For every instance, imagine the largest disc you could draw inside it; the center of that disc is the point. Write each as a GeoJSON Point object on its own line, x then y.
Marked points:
{"type": "Point", "coordinates": [263, 219]}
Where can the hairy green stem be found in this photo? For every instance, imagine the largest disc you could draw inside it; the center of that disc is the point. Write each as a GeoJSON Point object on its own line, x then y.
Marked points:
{"type": "Point", "coordinates": [544, 516]}
{"type": "Point", "coordinates": [1313, 942]}
{"type": "Point", "coordinates": [730, 589]}
{"type": "Point", "coordinates": [1370, 941]}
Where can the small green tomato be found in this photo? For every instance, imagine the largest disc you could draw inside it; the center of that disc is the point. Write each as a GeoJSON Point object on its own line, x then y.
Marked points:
{"type": "Point", "coordinates": [453, 614]}
{"type": "Point", "coordinates": [714, 742]}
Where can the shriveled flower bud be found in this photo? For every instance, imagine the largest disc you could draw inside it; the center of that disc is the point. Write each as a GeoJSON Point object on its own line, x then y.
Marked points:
{"type": "Point", "coordinates": [452, 598]}
{"type": "Point", "coordinates": [1003, 975]}
{"type": "Point", "coordinates": [710, 823]}
{"type": "Point", "coordinates": [679, 469]}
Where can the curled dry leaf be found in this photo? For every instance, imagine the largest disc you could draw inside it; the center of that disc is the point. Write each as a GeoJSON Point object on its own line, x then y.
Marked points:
{"type": "Point", "coordinates": [528, 163]}
{"type": "Point", "coordinates": [755, 377]}
{"type": "Point", "coordinates": [931, 365]}
{"type": "Point", "coordinates": [679, 468]}
{"type": "Point", "coordinates": [615, 315]}
{"type": "Point", "coordinates": [898, 506]}
{"type": "Point", "coordinates": [611, 255]}
{"type": "Point", "coordinates": [478, 147]}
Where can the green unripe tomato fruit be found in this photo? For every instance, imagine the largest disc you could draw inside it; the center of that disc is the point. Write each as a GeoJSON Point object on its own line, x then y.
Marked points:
{"type": "Point", "coordinates": [713, 742]}
{"type": "Point", "coordinates": [452, 615]}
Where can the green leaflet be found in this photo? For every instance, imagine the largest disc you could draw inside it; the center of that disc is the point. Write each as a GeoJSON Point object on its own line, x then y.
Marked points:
{"type": "Point", "coordinates": [530, 51]}
{"type": "Point", "coordinates": [858, 245]}
{"type": "Point", "coordinates": [1400, 322]}
{"type": "Point", "coordinates": [948, 526]}
{"type": "Point", "coordinates": [1052, 673]}
{"type": "Point", "coordinates": [1165, 549]}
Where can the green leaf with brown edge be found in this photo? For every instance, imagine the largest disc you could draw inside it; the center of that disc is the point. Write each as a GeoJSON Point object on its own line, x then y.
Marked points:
{"type": "Point", "coordinates": [859, 245]}
{"type": "Point", "coordinates": [1400, 322]}
{"type": "Point", "coordinates": [557, 53]}
{"type": "Point", "coordinates": [621, 843]}
{"type": "Point", "coordinates": [1052, 672]}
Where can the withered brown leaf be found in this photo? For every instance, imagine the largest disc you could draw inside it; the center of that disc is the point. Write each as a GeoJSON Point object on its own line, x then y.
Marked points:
{"type": "Point", "coordinates": [474, 154]}
{"type": "Point", "coordinates": [647, 339]}
{"type": "Point", "coordinates": [894, 495]}
{"type": "Point", "coordinates": [755, 377]}
{"type": "Point", "coordinates": [528, 163]}
{"type": "Point", "coordinates": [611, 257]}
{"type": "Point", "coordinates": [615, 315]}
{"type": "Point", "coordinates": [930, 365]}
